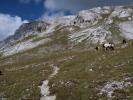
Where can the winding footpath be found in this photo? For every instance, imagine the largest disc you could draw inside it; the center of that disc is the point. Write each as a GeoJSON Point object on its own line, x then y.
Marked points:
{"type": "Point", "coordinates": [45, 93]}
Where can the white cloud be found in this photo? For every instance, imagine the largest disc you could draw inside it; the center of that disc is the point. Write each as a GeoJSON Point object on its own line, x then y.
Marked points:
{"type": "Point", "coordinates": [73, 6]}
{"type": "Point", "coordinates": [53, 9]}
{"type": "Point", "coordinates": [51, 15]}
{"type": "Point", "coordinates": [76, 5]}
{"type": "Point", "coordinates": [51, 5]}
{"type": "Point", "coordinates": [9, 24]}
{"type": "Point", "coordinates": [70, 5]}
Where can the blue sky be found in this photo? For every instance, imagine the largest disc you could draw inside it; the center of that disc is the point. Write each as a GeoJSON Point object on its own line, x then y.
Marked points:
{"type": "Point", "coordinates": [13, 13]}
{"type": "Point", "coordinates": [29, 10]}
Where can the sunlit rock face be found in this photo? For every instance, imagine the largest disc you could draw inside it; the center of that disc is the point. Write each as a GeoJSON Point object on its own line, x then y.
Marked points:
{"type": "Point", "coordinates": [93, 26]}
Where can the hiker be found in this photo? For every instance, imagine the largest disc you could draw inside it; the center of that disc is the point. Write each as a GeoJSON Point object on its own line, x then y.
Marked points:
{"type": "Point", "coordinates": [0, 72]}
{"type": "Point", "coordinates": [124, 41]}
{"type": "Point", "coordinates": [96, 48]}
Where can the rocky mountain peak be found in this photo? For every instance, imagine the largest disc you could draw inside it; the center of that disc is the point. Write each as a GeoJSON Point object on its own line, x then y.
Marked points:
{"type": "Point", "coordinates": [94, 26]}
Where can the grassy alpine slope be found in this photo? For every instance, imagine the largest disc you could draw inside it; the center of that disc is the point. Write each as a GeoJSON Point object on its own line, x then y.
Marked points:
{"type": "Point", "coordinates": [61, 62]}
{"type": "Point", "coordinates": [82, 74]}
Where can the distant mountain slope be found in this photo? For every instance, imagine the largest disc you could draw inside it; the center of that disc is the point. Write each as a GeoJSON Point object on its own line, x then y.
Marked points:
{"type": "Point", "coordinates": [88, 27]}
